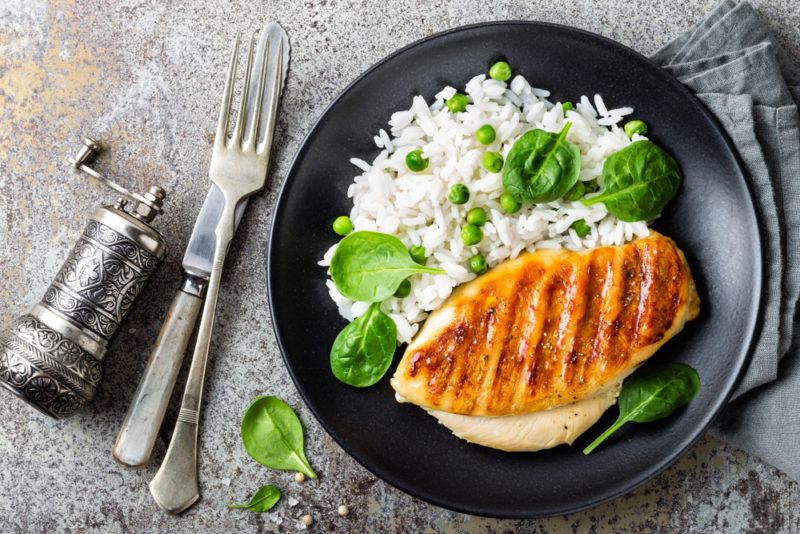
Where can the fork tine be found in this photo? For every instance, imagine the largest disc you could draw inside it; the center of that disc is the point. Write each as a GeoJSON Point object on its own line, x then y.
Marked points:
{"type": "Point", "coordinates": [263, 64]}
{"type": "Point", "coordinates": [227, 97]}
{"type": "Point", "coordinates": [238, 132]}
{"type": "Point", "coordinates": [274, 95]}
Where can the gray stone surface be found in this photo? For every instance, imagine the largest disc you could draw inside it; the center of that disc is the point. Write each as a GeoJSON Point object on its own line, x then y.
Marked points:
{"type": "Point", "coordinates": [145, 76]}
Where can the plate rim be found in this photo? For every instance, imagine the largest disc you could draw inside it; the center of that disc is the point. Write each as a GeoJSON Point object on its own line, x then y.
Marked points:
{"type": "Point", "coordinates": [754, 321]}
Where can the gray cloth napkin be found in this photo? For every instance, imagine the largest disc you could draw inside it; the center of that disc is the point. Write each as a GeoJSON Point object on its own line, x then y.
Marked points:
{"type": "Point", "coordinates": [733, 64]}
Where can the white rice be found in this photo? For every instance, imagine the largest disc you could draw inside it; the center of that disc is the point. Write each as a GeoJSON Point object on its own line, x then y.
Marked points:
{"type": "Point", "coordinates": [388, 198]}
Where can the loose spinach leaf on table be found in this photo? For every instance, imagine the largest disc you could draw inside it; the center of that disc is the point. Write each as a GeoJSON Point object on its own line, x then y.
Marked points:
{"type": "Point", "coordinates": [363, 351]}
{"type": "Point", "coordinates": [638, 181]}
{"type": "Point", "coordinates": [652, 394]}
{"type": "Point", "coordinates": [263, 501]}
{"type": "Point", "coordinates": [273, 436]}
{"type": "Point", "coordinates": [541, 166]}
{"type": "Point", "coordinates": [370, 266]}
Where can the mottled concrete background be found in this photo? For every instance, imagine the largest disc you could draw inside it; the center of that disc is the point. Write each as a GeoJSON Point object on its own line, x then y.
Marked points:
{"type": "Point", "coordinates": [146, 76]}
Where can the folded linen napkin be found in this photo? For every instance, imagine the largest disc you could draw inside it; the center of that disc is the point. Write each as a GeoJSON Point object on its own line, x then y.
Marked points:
{"type": "Point", "coordinates": [733, 64]}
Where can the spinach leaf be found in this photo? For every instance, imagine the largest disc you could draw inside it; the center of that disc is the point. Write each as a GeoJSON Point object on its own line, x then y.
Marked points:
{"type": "Point", "coordinates": [272, 436]}
{"type": "Point", "coordinates": [363, 351]}
{"type": "Point", "coordinates": [541, 166]}
{"type": "Point", "coordinates": [639, 181]}
{"type": "Point", "coordinates": [370, 266]}
{"type": "Point", "coordinates": [263, 501]}
{"type": "Point", "coordinates": [652, 394]}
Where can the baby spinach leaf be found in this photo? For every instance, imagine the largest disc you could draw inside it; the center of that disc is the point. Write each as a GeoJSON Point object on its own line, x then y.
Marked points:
{"type": "Point", "coordinates": [273, 436]}
{"type": "Point", "coordinates": [639, 181]}
{"type": "Point", "coordinates": [370, 266]}
{"type": "Point", "coordinates": [652, 394]}
{"type": "Point", "coordinates": [363, 351]}
{"type": "Point", "coordinates": [541, 166]}
{"type": "Point", "coordinates": [263, 501]}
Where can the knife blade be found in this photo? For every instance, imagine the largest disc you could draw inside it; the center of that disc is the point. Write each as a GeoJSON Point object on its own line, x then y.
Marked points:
{"type": "Point", "coordinates": [139, 430]}
{"type": "Point", "coordinates": [200, 249]}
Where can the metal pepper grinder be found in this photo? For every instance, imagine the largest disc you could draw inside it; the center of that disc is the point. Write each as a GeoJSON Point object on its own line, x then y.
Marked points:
{"type": "Point", "coordinates": [51, 357]}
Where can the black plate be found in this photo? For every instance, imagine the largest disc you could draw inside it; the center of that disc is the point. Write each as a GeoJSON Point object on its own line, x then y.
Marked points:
{"type": "Point", "coordinates": [712, 219]}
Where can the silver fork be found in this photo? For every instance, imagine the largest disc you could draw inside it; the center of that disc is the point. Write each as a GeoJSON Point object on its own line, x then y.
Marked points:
{"type": "Point", "coordinates": [239, 169]}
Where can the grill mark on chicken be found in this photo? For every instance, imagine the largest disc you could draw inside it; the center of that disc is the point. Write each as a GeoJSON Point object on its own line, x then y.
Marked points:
{"type": "Point", "coordinates": [528, 328]}
{"type": "Point", "coordinates": [440, 362]}
{"type": "Point", "coordinates": [574, 316]}
{"type": "Point", "coordinates": [561, 326]}
{"type": "Point", "coordinates": [498, 326]}
{"type": "Point", "coordinates": [541, 376]}
{"type": "Point", "coordinates": [501, 390]}
{"type": "Point", "coordinates": [460, 368]}
{"type": "Point", "coordinates": [662, 295]}
{"type": "Point", "coordinates": [600, 276]}
{"type": "Point", "coordinates": [495, 329]}
{"type": "Point", "coordinates": [630, 306]}
{"type": "Point", "coordinates": [469, 376]}
{"type": "Point", "coordinates": [517, 317]}
{"type": "Point", "coordinates": [606, 322]}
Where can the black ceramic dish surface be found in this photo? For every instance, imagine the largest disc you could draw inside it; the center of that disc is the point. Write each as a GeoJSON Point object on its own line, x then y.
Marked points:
{"type": "Point", "coordinates": [712, 219]}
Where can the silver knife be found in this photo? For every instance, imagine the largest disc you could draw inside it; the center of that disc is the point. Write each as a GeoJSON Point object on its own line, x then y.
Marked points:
{"type": "Point", "coordinates": [139, 430]}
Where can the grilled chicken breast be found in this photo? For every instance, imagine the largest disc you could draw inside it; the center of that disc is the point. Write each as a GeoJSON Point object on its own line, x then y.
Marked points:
{"type": "Point", "coordinates": [547, 330]}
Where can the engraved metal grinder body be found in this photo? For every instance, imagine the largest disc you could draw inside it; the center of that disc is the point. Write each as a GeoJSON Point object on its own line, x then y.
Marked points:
{"type": "Point", "coordinates": [51, 357]}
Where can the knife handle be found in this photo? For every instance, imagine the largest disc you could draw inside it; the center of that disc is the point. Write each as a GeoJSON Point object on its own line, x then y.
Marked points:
{"type": "Point", "coordinates": [140, 428]}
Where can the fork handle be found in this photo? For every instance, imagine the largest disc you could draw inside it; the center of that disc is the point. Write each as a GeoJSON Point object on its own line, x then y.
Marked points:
{"type": "Point", "coordinates": [175, 487]}
{"type": "Point", "coordinates": [139, 430]}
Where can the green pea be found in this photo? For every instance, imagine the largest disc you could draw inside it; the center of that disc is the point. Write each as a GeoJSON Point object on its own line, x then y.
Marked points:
{"type": "Point", "coordinates": [509, 203]}
{"type": "Point", "coordinates": [635, 127]}
{"type": "Point", "coordinates": [403, 290]}
{"type": "Point", "coordinates": [458, 194]}
{"type": "Point", "coordinates": [342, 225]}
{"type": "Point", "coordinates": [576, 193]}
{"type": "Point", "coordinates": [500, 71]}
{"type": "Point", "coordinates": [591, 186]}
{"type": "Point", "coordinates": [477, 264]}
{"type": "Point", "coordinates": [456, 103]}
{"type": "Point", "coordinates": [476, 216]}
{"type": "Point", "coordinates": [418, 254]}
{"type": "Point", "coordinates": [415, 162]}
{"type": "Point", "coordinates": [581, 228]}
{"type": "Point", "coordinates": [485, 134]}
{"type": "Point", "coordinates": [566, 106]}
{"type": "Point", "coordinates": [471, 234]}
{"type": "Point", "coordinates": [492, 161]}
